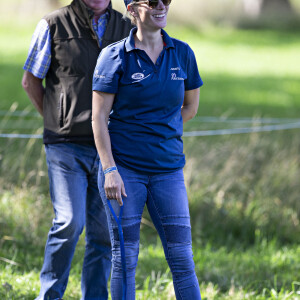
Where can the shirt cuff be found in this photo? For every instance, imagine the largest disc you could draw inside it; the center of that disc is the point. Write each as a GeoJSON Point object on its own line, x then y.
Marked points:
{"type": "Point", "coordinates": [195, 85]}
{"type": "Point", "coordinates": [105, 89]}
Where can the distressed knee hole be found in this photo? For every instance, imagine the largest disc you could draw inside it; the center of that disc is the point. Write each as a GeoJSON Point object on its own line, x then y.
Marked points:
{"type": "Point", "coordinates": [178, 233]}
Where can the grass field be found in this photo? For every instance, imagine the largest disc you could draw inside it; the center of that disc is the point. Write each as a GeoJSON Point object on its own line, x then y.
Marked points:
{"type": "Point", "coordinates": [243, 189]}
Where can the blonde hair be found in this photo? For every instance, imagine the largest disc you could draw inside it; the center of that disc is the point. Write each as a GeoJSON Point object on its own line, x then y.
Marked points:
{"type": "Point", "coordinates": [128, 15]}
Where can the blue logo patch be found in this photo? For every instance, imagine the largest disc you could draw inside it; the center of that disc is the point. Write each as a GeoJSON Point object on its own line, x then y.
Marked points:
{"type": "Point", "coordinates": [137, 76]}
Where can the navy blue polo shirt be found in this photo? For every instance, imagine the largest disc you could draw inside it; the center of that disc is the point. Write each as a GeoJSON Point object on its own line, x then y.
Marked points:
{"type": "Point", "coordinates": [145, 124]}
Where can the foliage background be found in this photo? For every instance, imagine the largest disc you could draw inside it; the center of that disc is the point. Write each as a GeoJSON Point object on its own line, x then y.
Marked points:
{"type": "Point", "coordinates": [243, 189]}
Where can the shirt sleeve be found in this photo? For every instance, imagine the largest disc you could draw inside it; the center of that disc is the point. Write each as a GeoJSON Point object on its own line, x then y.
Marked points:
{"type": "Point", "coordinates": [193, 80]}
{"type": "Point", "coordinates": [39, 54]}
{"type": "Point", "coordinates": [108, 71]}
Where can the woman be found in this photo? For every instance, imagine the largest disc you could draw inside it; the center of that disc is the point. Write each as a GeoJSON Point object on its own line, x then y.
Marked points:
{"type": "Point", "coordinates": [146, 86]}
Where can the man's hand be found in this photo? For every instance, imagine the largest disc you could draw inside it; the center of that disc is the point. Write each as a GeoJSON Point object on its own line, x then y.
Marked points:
{"type": "Point", "coordinates": [34, 89]}
{"type": "Point", "coordinates": [114, 187]}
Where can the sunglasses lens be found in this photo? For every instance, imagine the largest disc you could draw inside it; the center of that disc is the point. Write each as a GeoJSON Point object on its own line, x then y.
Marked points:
{"type": "Point", "coordinates": [153, 3]}
{"type": "Point", "coordinates": [167, 2]}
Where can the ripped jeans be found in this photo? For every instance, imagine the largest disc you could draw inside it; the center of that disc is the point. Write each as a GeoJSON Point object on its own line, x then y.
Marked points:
{"type": "Point", "coordinates": [167, 203]}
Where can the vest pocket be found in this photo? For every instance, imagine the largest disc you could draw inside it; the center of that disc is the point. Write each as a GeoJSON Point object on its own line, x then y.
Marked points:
{"type": "Point", "coordinates": [61, 109]}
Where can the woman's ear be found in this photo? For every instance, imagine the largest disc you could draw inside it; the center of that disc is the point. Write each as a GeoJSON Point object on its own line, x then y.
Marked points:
{"type": "Point", "coordinates": [130, 9]}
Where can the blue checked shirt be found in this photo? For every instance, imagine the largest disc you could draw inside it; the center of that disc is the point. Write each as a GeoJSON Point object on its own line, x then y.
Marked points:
{"type": "Point", "coordinates": [39, 54]}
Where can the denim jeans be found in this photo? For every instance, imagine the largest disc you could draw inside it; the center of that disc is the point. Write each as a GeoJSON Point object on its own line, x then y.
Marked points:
{"type": "Point", "coordinates": [73, 170]}
{"type": "Point", "coordinates": [167, 203]}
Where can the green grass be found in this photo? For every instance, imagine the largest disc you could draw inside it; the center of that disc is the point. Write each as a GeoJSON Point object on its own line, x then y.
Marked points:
{"type": "Point", "coordinates": [265, 270]}
{"type": "Point", "coordinates": [255, 72]}
{"type": "Point", "coordinates": [261, 271]}
{"type": "Point", "coordinates": [246, 73]}
{"type": "Point", "coordinates": [243, 189]}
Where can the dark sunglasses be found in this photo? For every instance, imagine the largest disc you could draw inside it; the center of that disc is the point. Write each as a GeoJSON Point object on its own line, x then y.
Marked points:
{"type": "Point", "coordinates": [152, 3]}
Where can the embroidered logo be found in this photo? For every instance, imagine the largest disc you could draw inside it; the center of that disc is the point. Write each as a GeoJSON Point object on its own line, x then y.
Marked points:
{"type": "Point", "coordinates": [174, 77]}
{"type": "Point", "coordinates": [98, 76]}
{"type": "Point", "coordinates": [175, 69]}
{"type": "Point", "coordinates": [138, 76]}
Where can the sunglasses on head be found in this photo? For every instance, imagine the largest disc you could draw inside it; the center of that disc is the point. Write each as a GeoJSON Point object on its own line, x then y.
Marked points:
{"type": "Point", "coordinates": [152, 3]}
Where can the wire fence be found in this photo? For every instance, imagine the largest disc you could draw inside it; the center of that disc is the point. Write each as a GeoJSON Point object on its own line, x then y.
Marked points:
{"type": "Point", "coordinates": [256, 125]}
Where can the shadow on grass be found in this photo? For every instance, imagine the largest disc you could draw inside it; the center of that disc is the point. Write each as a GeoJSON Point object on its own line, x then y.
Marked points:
{"type": "Point", "coordinates": [10, 86]}
{"type": "Point", "coordinates": [276, 96]}
{"type": "Point", "coordinates": [261, 96]}
{"type": "Point", "coordinates": [281, 37]}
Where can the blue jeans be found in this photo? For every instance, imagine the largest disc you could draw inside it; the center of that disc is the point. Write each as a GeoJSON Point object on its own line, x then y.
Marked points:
{"type": "Point", "coordinates": [73, 170]}
{"type": "Point", "coordinates": [166, 199]}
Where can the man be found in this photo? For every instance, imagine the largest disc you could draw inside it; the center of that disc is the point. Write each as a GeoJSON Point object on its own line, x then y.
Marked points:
{"type": "Point", "coordinates": [64, 50]}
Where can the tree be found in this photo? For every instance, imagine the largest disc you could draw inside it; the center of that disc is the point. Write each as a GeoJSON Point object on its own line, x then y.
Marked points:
{"type": "Point", "coordinates": [273, 8]}
{"type": "Point", "coordinates": [57, 3]}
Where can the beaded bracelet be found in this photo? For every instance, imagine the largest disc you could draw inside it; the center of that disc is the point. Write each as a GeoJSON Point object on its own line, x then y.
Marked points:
{"type": "Point", "coordinates": [109, 170]}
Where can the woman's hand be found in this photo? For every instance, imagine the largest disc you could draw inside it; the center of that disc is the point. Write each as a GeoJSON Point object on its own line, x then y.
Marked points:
{"type": "Point", "coordinates": [114, 187]}
{"type": "Point", "coordinates": [190, 104]}
{"type": "Point", "coordinates": [102, 104]}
